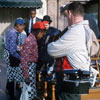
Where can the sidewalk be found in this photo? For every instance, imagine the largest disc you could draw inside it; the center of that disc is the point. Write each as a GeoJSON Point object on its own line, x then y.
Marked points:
{"type": "Point", "coordinates": [3, 78]}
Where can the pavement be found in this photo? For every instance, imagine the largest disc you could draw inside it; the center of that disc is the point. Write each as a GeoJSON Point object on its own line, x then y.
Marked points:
{"type": "Point", "coordinates": [3, 79]}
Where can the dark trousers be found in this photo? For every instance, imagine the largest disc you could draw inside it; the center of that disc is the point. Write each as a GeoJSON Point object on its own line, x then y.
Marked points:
{"type": "Point", "coordinates": [59, 80]}
{"type": "Point", "coordinates": [10, 87]}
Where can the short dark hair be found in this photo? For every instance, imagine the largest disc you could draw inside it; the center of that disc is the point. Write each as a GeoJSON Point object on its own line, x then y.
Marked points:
{"type": "Point", "coordinates": [32, 9]}
{"type": "Point", "coordinates": [76, 8]}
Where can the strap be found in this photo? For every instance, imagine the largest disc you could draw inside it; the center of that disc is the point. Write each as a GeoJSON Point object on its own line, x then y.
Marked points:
{"type": "Point", "coordinates": [87, 36]}
{"type": "Point", "coordinates": [61, 69]}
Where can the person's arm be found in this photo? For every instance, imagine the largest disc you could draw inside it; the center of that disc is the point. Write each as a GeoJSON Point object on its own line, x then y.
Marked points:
{"type": "Point", "coordinates": [57, 49]}
{"type": "Point", "coordinates": [13, 46]}
{"type": "Point", "coordinates": [25, 57]}
{"type": "Point", "coordinates": [62, 46]}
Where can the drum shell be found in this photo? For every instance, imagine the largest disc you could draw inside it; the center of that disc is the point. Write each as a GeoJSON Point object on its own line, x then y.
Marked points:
{"type": "Point", "coordinates": [76, 86]}
{"type": "Point", "coordinates": [76, 74]}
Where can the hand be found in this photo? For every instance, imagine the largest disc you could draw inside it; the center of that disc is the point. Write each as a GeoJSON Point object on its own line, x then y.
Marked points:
{"type": "Point", "coordinates": [27, 81]}
{"type": "Point", "coordinates": [21, 47]}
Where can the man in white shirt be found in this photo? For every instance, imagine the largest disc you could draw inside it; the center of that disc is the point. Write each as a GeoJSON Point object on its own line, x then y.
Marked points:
{"type": "Point", "coordinates": [73, 43]}
{"type": "Point", "coordinates": [31, 21]}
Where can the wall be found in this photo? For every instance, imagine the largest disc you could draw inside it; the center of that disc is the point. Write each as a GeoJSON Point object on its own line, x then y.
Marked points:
{"type": "Point", "coordinates": [62, 21]}
{"type": "Point", "coordinates": [59, 21]}
{"type": "Point", "coordinates": [53, 10]}
{"type": "Point", "coordinates": [8, 16]}
{"type": "Point", "coordinates": [42, 11]}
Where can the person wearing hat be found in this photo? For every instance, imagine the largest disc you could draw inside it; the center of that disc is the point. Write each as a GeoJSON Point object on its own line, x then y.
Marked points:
{"type": "Point", "coordinates": [44, 58]}
{"type": "Point", "coordinates": [73, 44]}
{"type": "Point", "coordinates": [47, 18]}
{"type": "Point", "coordinates": [31, 20]}
{"type": "Point", "coordinates": [11, 52]}
{"type": "Point", "coordinates": [29, 57]}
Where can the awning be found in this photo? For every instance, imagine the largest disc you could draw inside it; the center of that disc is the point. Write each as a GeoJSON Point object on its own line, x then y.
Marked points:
{"type": "Point", "coordinates": [84, 1]}
{"type": "Point", "coordinates": [21, 3]}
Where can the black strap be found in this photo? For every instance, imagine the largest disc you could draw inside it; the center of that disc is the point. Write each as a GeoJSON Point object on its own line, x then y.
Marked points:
{"type": "Point", "coordinates": [61, 68]}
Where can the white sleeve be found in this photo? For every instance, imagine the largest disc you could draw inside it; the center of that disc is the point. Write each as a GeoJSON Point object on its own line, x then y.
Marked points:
{"type": "Point", "coordinates": [62, 46]}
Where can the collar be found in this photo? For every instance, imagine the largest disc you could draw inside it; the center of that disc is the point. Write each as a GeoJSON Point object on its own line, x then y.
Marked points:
{"type": "Point", "coordinates": [33, 18]}
{"type": "Point", "coordinates": [84, 22]}
{"type": "Point", "coordinates": [15, 30]}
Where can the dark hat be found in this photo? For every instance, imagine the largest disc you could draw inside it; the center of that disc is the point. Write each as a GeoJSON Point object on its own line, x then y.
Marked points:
{"type": "Point", "coordinates": [64, 7]}
{"type": "Point", "coordinates": [20, 21]}
{"type": "Point", "coordinates": [47, 18]}
{"type": "Point", "coordinates": [39, 25]}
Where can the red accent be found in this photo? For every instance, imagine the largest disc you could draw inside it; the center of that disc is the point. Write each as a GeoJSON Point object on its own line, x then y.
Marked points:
{"type": "Point", "coordinates": [45, 22]}
{"type": "Point", "coordinates": [65, 64]}
{"type": "Point", "coordinates": [39, 25]}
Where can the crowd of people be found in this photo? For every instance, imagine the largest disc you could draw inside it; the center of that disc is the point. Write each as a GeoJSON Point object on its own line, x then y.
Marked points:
{"type": "Point", "coordinates": [31, 45]}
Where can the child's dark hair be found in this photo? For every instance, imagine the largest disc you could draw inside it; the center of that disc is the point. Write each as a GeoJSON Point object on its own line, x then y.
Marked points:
{"type": "Point", "coordinates": [32, 9]}
{"type": "Point", "coordinates": [36, 31]}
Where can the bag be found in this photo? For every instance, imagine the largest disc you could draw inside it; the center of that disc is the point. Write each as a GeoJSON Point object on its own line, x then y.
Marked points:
{"type": "Point", "coordinates": [24, 95]}
{"type": "Point", "coordinates": [14, 62]}
{"type": "Point", "coordinates": [91, 41]}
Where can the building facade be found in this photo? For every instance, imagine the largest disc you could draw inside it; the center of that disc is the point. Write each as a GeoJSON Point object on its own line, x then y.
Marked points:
{"type": "Point", "coordinates": [50, 7]}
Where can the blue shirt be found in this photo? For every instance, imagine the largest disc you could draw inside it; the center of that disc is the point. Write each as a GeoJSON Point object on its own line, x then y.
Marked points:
{"type": "Point", "coordinates": [11, 42]}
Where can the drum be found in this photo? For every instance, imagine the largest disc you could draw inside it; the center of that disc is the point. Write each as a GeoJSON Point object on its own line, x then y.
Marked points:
{"type": "Point", "coordinates": [76, 81]}
{"type": "Point", "coordinates": [74, 74]}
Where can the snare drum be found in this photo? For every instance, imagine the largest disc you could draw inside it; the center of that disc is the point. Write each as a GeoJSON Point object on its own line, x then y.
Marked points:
{"type": "Point", "coordinates": [76, 81]}
{"type": "Point", "coordinates": [74, 74]}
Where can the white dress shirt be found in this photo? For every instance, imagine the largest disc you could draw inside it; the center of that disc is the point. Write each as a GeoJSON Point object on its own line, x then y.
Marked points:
{"type": "Point", "coordinates": [30, 21]}
{"type": "Point", "coordinates": [23, 36]}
